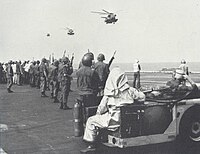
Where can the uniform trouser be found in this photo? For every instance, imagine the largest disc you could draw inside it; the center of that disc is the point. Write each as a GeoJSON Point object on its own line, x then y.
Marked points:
{"type": "Point", "coordinates": [19, 79]}
{"type": "Point", "coordinates": [54, 88]}
{"type": "Point", "coordinates": [136, 80]}
{"type": "Point", "coordinates": [15, 78]}
{"type": "Point", "coordinates": [94, 123]}
{"type": "Point", "coordinates": [32, 79]}
{"type": "Point", "coordinates": [1, 77]}
{"type": "Point", "coordinates": [43, 84]}
{"type": "Point", "coordinates": [64, 93]}
{"type": "Point", "coordinates": [37, 81]}
{"type": "Point", "coordinates": [26, 78]}
{"type": "Point", "coordinates": [9, 82]}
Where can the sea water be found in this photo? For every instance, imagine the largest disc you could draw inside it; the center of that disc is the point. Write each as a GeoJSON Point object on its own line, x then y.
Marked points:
{"type": "Point", "coordinates": [194, 67]}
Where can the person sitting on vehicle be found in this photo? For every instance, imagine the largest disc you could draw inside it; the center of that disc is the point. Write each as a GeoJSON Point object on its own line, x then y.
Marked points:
{"type": "Point", "coordinates": [179, 79]}
{"type": "Point", "coordinates": [175, 88]}
{"type": "Point", "coordinates": [117, 93]}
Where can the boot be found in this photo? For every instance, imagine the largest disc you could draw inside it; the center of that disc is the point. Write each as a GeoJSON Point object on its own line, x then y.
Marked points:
{"type": "Point", "coordinates": [52, 95]}
{"type": "Point", "coordinates": [43, 94]}
{"type": "Point", "coordinates": [61, 105]}
{"type": "Point", "coordinates": [9, 91]}
{"type": "Point", "coordinates": [56, 100]}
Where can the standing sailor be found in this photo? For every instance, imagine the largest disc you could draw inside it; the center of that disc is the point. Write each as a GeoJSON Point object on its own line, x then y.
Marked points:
{"type": "Point", "coordinates": [136, 74]}
{"type": "Point", "coordinates": [65, 79]}
{"type": "Point", "coordinates": [9, 76]}
{"type": "Point", "coordinates": [43, 77]}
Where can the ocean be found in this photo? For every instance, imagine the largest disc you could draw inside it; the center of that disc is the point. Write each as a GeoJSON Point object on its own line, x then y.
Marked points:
{"type": "Point", "coordinates": [194, 67]}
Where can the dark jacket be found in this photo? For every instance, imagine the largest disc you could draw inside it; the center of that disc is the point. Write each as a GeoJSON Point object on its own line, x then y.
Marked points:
{"type": "Point", "coordinates": [87, 81]}
{"type": "Point", "coordinates": [103, 71]}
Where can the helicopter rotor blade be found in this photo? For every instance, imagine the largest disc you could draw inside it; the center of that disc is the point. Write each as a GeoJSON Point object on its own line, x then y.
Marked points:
{"type": "Point", "coordinates": [106, 11]}
{"type": "Point", "coordinates": [98, 12]}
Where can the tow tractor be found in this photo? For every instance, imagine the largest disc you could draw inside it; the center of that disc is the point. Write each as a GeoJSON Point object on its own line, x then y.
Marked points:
{"type": "Point", "coordinates": [161, 118]}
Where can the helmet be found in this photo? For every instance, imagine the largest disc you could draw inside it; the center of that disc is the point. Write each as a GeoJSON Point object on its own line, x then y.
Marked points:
{"type": "Point", "coordinates": [136, 61]}
{"type": "Point", "coordinates": [90, 54]}
{"type": "Point", "coordinates": [101, 57]}
{"type": "Point", "coordinates": [56, 63]}
{"type": "Point", "coordinates": [44, 60]}
{"type": "Point", "coordinates": [87, 60]}
{"type": "Point", "coordinates": [183, 61]}
{"type": "Point", "coordinates": [10, 62]}
{"type": "Point", "coordinates": [65, 59]}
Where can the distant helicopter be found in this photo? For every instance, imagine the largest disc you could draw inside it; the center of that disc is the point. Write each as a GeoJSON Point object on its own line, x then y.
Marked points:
{"type": "Point", "coordinates": [48, 34]}
{"type": "Point", "coordinates": [70, 31]}
{"type": "Point", "coordinates": [110, 18]}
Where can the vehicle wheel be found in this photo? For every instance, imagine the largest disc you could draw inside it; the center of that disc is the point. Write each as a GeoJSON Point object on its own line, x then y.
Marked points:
{"type": "Point", "coordinates": [190, 127]}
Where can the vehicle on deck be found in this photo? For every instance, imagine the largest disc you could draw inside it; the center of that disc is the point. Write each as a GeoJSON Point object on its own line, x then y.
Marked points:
{"type": "Point", "coordinates": [161, 118]}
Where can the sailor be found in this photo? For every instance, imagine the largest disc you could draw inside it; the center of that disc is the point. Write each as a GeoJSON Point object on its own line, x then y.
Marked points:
{"type": "Point", "coordinates": [32, 74]}
{"type": "Point", "coordinates": [103, 71]}
{"type": "Point", "coordinates": [184, 67]}
{"type": "Point", "coordinates": [65, 79]}
{"type": "Point", "coordinates": [43, 77]}
{"type": "Point", "coordinates": [136, 74]}
{"type": "Point", "coordinates": [37, 74]}
{"type": "Point", "coordinates": [117, 93]}
{"type": "Point", "coordinates": [179, 79]}
{"type": "Point", "coordinates": [9, 76]}
{"type": "Point", "coordinates": [87, 82]}
{"type": "Point", "coordinates": [53, 76]}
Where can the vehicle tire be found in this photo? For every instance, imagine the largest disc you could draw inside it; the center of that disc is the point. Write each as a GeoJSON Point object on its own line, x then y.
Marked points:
{"type": "Point", "coordinates": [190, 127]}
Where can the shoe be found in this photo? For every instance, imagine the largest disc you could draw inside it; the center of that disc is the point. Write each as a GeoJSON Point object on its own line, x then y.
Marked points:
{"type": "Point", "coordinates": [9, 91]}
{"type": "Point", "coordinates": [52, 96]}
{"type": "Point", "coordinates": [67, 108]}
{"type": "Point", "coordinates": [44, 95]}
{"type": "Point", "coordinates": [89, 148]}
{"type": "Point", "coordinates": [56, 100]}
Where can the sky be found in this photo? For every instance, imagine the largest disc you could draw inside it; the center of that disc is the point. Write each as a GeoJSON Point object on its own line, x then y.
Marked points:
{"type": "Point", "coordinates": [148, 30]}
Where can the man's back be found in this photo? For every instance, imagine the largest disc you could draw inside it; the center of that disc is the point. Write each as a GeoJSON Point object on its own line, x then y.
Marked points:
{"type": "Point", "coordinates": [87, 80]}
{"type": "Point", "coordinates": [102, 70]}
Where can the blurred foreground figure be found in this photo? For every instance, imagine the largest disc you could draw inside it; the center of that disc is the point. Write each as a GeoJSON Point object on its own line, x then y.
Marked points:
{"type": "Point", "coordinates": [9, 76]}
{"type": "Point", "coordinates": [117, 93]}
{"type": "Point", "coordinates": [136, 74]}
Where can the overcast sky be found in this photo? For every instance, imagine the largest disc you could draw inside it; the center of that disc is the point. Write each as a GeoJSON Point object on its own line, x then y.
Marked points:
{"type": "Point", "coordinates": [149, 30]}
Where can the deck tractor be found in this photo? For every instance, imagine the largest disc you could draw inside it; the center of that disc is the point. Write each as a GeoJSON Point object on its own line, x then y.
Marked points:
{"type": "Point", "coordinates": [165, 116]}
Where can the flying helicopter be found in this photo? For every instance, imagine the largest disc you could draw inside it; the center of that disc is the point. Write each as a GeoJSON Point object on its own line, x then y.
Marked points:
{"type": "Point", "coordinates": [48, 34]}
{"type": "Point", "coordinates": [70, 31]}
{"type": "Point", "coordinates": [109, 18]}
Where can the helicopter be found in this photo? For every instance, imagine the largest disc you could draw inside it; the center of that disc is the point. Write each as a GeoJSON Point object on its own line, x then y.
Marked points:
{"type": "Point", "coordinates": [110, 18]}
{"type": "Point", "coordinates": [70, 31]}
{"type": "Point", "coordinates": [48, 34]}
